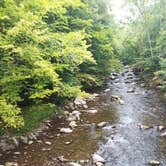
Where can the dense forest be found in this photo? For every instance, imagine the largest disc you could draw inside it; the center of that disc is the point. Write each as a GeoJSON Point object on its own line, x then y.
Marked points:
{"type": "Point", "coordinates": [54, 51]}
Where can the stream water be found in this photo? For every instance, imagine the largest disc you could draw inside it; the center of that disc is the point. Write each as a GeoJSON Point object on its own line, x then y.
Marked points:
{"type": "Point", "coordinates": [121, 143]}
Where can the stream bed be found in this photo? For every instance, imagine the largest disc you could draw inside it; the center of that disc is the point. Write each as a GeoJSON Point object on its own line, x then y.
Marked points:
{"type": "Point", "coordinates": [130, 138]}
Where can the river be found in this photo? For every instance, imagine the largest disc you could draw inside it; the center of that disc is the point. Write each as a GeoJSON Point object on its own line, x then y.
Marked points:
{"type": "Point", "coordinates": [131, 137]}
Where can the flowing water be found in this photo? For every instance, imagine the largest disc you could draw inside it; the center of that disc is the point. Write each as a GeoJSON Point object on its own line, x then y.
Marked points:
{"type": "Point", "coordinates": [121, 143]}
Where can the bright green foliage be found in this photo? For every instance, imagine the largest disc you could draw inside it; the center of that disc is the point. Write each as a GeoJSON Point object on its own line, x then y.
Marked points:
{"type": "Point", "coordinates": [51, 51]}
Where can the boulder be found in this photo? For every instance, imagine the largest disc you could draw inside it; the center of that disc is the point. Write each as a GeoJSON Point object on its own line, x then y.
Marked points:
{"type": "Point", "coordinates": [79, 102]}
{"type": "Point", "coordinates": [99, 164]}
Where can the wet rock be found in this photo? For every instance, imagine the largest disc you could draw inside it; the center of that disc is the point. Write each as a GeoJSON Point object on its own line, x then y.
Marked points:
{"type": "Point", "coordinates": [24, 139]}
{"type": "Point", "coordinates": [46, 149]}
{"type": "Point", "coordinates": [16, 153]}
{"type": "Point", "coordinates": [66, 130]}
{"type": "Point", "coordinates": [11, 164]}
{"type": "Point", "coordinates": [106, 90]}
{"type": "Point", "coordinates": [73, 124]}
{"type": "Point", "coordinates": [93, 111]}
{"type": "Point", "coordinates": [85, 106]}
{"type": "Point", "coordinates": [112, 77]}
{"type": "Point", "coordinates": [163, 134]}
{"type": "Point", "coordinates": [154, 163]}
{"type": "Point", "coordinates": [101, 124]}
{"type": "Point", "coordinates": [160, 128]}
{"type": "Point", "coordinates": [99, 164]}
{"type": "Point", "coordinates": [79, 102]}
{"type": "Point", "coordinates": [131, 90]}
{"type": "Point", "coordinates": [48, 143]}
{"type": "Point", "coordinates": [73, 164]}
{"type": "Point", "coordinates": [32, 136]}
{"type": "Point", "coordinates": [62, 159]}
{"type": "Point", "coordinates": [30, 142]}
{"type": "Point", "coordinates": [145, 127]}
{"type": "Point", "coordinates": [71, 117]}
{"type": "Point", "coordinates": [15, 141]}
{"type": "Point", "coordinates": [121, 102]}
{"type": "Point", "coordinates": [97, 158]}
{"type": "Point", "coordinates": [115, 97]}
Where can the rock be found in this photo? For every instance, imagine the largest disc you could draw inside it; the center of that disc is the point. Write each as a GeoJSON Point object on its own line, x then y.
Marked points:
{"type": "Point", "coordinates": [99, 164]}
{"type": "Point", "coordinates": [121, 102]}
{"type": "Point", "coordinates": [79, 102]}
{"type": "Point", "coordinates": [66, 112]}
{"type": "Point", "coordinates": [24, 139]}
{"type": "Point", "coordinates": [112, 77]}
{"type": "Point", "coordinates": [48, 143]}
{"type": "Point", "coordinates": [73, 124]}
{"type": "Point", "coordinates": [154, 163]}
{"type": "Point", "coordinates": [76, 114]}
{"type": "Point", "coordinates": [115, 97]}
{"type": "Point", "coordinates": [96, 158]}
{"type": "Point", "coordinates": [11, 164]}
{"type": "Point", "coordinates": [32, 136]}
{"type": "Point", "coordinates": [106, 90]}
{"type": "Point", "coordinates": [46, 149]}
{"type": "Point", "coordinates": [62, 159]}
{"type": "Point", "coordinates": [71, 118]}
{"type": "Point", "coordinates": [95, 94]}
{"type": "Point", "coordinates": [145, 127]}
{"type": "Point", "coordinates": [15, 141]}
{"type": "Point", "coordinates": [66, 130]}
{"type": "Point", "coordinates": [16, 153]}
{"type": "Point", "coordinates": [160, 128]}
{"type": "Point", "coordinates": [101, 124]}
{"type": "Point", "coordinates": [85, 106]}
{"type": "Point", "coordinates": [68, 143]}
{"type": "Point", "coordinates": [30, 142]}
{"type": "Point", "coordinates": [131, 90]}
{"type": "Point", "coordinates": [92, 111]}
{"type": "Point", "coordinates": [73, 164]}
{"type": "Point", "coordinates": [4, 145]}
{"type": "Point", "coordinates": [163, 134]}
